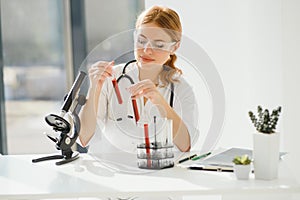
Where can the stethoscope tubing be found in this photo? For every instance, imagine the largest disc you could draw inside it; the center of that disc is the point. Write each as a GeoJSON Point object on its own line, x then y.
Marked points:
{"type": "Point", "coordinates": [124, 75]}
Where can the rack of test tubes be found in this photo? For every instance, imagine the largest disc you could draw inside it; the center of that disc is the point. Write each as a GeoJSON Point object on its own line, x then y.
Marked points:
{"type": "Point", "coordinates": [157, 154]}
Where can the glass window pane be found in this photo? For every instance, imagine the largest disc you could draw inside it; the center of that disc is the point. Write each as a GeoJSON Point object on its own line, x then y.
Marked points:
{"type": "Point", "coordinates": [34, 72]}
{"type": "Point", "coordinates": [100, 27]}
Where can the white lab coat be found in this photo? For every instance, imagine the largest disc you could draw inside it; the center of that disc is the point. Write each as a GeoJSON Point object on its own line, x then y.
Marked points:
{"type": "Point", "coordinates": [115, 135]}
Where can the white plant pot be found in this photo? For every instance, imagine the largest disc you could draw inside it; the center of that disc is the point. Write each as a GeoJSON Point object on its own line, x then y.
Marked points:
{"type": "Point", "coordinates": [266, 155]}
{"type": "Point", "coordinates": [242, 171]}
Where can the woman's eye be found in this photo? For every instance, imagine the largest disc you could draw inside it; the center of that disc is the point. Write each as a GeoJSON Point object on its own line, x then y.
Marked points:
{"type": "Point", "coordinates": [159, 45]}
{"type": "Point", "coordinates": [142, 41]}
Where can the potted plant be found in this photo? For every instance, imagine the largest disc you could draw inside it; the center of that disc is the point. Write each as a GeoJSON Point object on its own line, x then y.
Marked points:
{"type": "Point", "coordinates": [242, 167]}
{"type": "Point", "coordinates": [265, 143]}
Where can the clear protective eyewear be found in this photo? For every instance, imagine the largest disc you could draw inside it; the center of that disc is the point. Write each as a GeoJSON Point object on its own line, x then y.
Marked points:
{"type": "Point", "coordinates": [141, 41]}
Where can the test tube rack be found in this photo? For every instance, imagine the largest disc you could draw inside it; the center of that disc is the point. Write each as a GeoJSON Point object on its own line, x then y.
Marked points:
{"type": "Point", "coordinates": [155, 156]}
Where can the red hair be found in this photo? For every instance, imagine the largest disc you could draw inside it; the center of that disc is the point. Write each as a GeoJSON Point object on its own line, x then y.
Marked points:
{"type": "Point", "coordinates": [169, 20]}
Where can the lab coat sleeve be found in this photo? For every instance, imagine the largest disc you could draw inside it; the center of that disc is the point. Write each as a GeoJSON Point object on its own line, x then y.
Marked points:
{"type": "Point", "coordinates": [102, 107]}
{"type": "Point", "coordinates": [186, 107]}
{"type": "Point", "coordinates": [101, 118]}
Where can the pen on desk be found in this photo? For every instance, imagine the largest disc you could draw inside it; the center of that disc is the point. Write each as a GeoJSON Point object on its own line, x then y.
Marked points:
{"type": "Point", "coordinates": [216, 169]}
{"type": "Point", "coordinates": [201, 156]}
{"type": "Point", "coordinates": [187, 158]}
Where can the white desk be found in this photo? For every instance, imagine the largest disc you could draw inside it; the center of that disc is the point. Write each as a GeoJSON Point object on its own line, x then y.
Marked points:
{"type": "Point", "coordinates": [87, 177]}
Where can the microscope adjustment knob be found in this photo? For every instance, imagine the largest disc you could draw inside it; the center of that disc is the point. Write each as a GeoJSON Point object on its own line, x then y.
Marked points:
{"type": "Point", "coordinates": [67, 141]}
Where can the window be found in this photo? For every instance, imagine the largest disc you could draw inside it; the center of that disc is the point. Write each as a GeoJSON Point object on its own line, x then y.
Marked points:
{"type": "Point", "coordinates": [35, 57]}
{"type": "Point", "coordinates": [34, 72]}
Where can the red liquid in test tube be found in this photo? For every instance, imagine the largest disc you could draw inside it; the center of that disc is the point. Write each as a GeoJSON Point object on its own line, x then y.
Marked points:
{"type": "Point", "coordinates": [116, 87]}
{"type": "Point", "coordinates": [147, 143]}
{"type": "Point", "coordinates": [135, 110]}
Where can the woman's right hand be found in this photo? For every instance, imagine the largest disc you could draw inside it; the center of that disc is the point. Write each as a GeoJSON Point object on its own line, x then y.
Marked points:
{"type": "Point", "coordinates": [99, 71]}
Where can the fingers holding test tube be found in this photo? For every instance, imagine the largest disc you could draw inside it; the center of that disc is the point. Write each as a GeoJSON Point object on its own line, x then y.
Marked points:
{"type": "Point", "coordinates": [147, 89]}
{"type": "Point", "coordinates": [99, 72]}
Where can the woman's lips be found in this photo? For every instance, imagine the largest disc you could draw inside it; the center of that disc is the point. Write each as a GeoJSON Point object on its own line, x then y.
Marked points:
{"type": "Point", "coordinates": [146, 59]}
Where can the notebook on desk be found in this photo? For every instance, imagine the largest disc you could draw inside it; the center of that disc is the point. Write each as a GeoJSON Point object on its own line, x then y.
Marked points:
{"type": "Point", "coordinates": [224, 158]}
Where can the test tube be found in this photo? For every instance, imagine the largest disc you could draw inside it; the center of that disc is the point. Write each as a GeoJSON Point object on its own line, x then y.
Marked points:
{"type": "Point", "coordinates": [169, 132]}
{"type": "Point", "coordinates": [117, 90]}
{"type": "Point", "coordinates": [135, 110]}
{"type": "Point", "coordinates": [147, 144]}
{"type": "Point", "coordinates": [155, 142]}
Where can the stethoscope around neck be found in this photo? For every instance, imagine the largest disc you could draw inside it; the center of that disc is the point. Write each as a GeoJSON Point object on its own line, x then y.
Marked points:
{"type": "Point", "coordinates": [124, 75]}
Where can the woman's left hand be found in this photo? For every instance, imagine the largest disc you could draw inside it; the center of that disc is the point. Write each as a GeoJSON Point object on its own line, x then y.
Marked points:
{"type": "Point", "coordinates": [147, 89]}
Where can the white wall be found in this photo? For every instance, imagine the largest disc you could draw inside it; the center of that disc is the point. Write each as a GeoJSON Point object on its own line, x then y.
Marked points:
{"type": "Point", "coordinates": [255, 47]}
{"type": "Point", "coordinates": [291, 73]}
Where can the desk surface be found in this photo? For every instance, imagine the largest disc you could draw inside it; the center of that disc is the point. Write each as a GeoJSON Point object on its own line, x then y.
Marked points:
{"type": "Point", "coordinates": [90, 176]}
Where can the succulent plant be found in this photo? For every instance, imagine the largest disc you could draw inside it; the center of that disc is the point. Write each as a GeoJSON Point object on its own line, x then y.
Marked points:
{"type": "Point", "coordinates": [242, 160]}
{"type": "Point", "coordinates": [265, 122]}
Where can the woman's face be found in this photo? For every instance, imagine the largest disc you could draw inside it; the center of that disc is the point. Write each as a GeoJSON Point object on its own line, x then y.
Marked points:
{"type": "Point", "coordinates": [153, 45]}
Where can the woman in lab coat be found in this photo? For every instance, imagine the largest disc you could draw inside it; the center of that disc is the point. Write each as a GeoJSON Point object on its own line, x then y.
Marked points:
{"type": "Point", "coordinates": [158, 88]}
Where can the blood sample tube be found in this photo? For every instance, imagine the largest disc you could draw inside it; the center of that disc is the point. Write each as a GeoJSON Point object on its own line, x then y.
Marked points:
{"type": "Point", "coordinates": [117, 90]}
{"type": "Point", "coordinates": [135, 110]}
{"type": "Point", "coordinates": [147, 144]}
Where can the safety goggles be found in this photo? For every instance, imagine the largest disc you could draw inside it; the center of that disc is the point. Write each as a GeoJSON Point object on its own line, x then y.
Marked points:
{"type": "Point", "coordinates": [142, 42]}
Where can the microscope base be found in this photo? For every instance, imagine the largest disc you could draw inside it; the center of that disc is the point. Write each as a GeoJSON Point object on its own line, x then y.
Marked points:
{"type": "Point", "coordinates": [75, 155]}
{"type": "Point", "coordinates": [66, 159]}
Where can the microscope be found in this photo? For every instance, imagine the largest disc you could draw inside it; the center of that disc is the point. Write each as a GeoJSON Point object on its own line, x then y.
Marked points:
{"type": "Point", "coordinates": [68, 126]}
